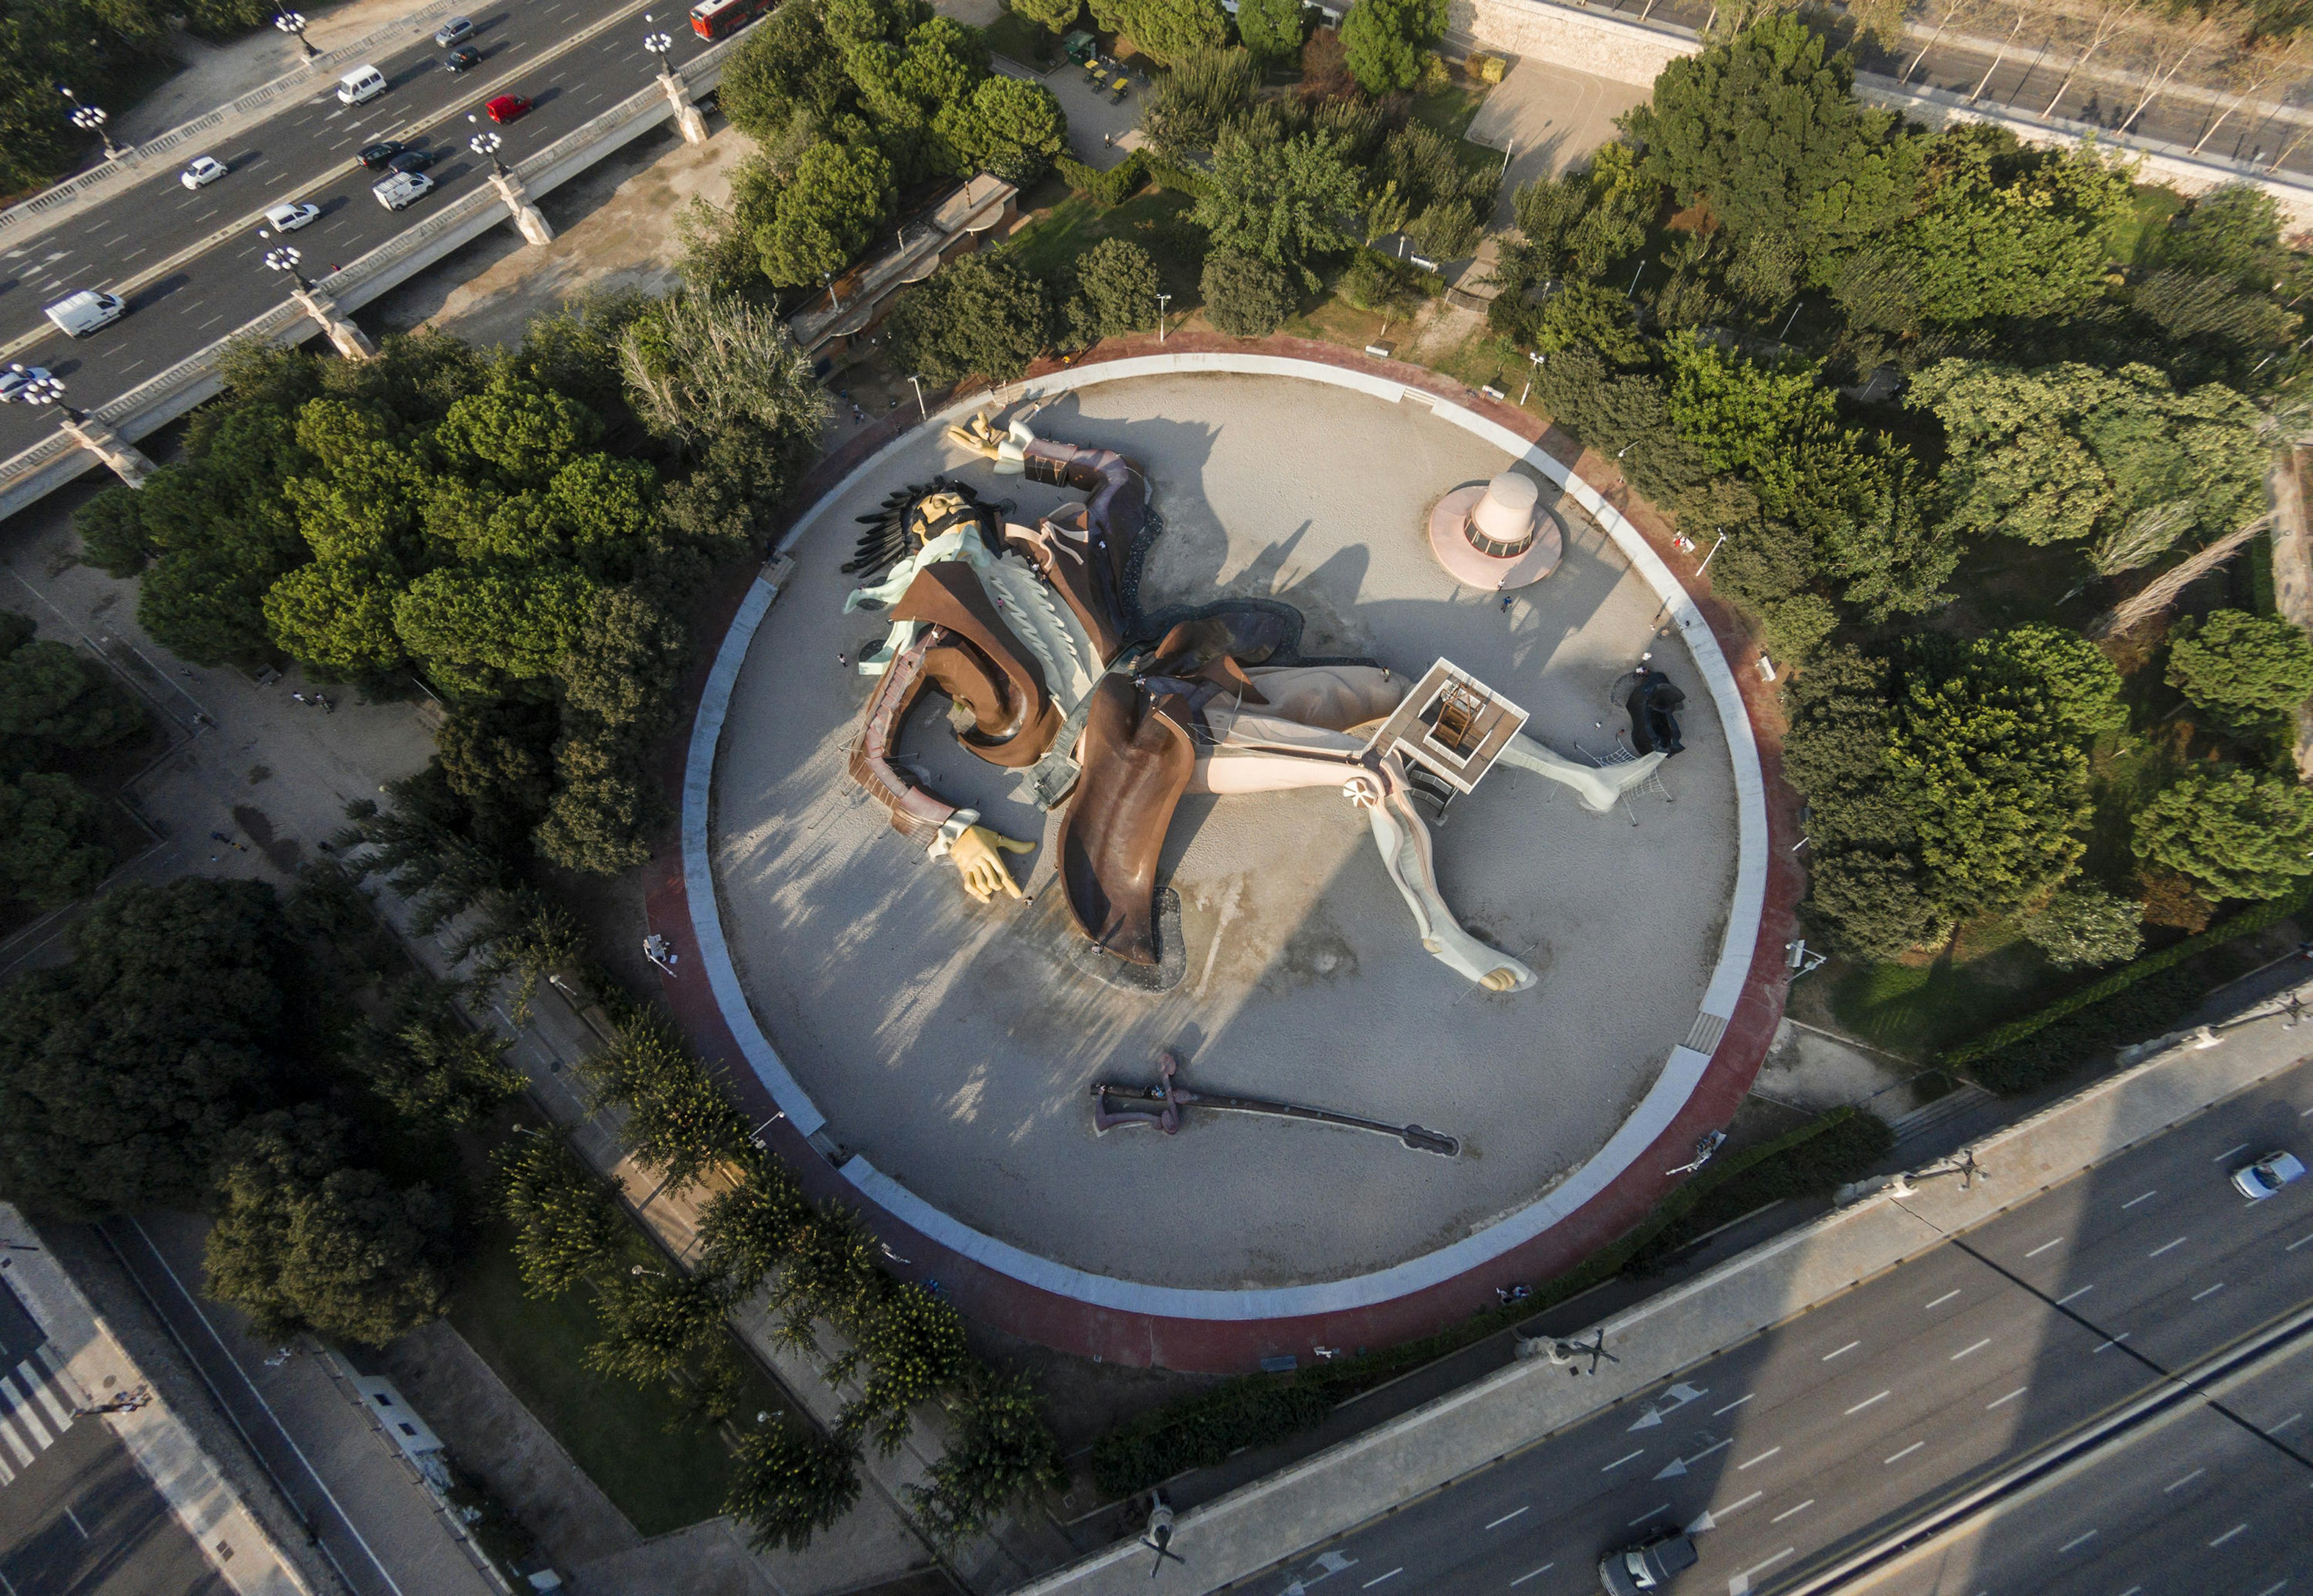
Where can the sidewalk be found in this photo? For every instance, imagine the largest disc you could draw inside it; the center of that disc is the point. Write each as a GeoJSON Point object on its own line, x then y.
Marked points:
{"type": "Point", "coordinates": [98, 1369]}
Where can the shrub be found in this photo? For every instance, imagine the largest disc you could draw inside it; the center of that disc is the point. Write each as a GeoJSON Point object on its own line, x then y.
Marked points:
{"type": "Point", "coordinates": [1107, 189]}
{"type": "Point", "coordinates": [2054, 1050]}
{"type": "Point", "coordinates": [2240, 665]}
{"type": "Point", "coordinates": [1246, 298]}
{"type": "Point", "coordinates": [2084, 927]}
{"type": "Point", "coordinates": [2243, 835]}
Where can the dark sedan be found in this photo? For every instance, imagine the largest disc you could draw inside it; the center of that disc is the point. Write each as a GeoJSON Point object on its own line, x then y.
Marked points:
{"type": "Point", "coordinates": [461, 58]}
{"type": "Point", "coordinates": [377, 154]}
{"type": "Point", "coordinates": [413, 160]}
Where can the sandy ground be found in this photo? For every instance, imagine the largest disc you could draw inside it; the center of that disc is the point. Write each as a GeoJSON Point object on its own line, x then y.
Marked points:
{"type": "Point", "coordinates": [953, 1045]}
{"type": "Point", "coordinates": [214, 74]}
{"type": "Point", "coordinates": [1548, 118]}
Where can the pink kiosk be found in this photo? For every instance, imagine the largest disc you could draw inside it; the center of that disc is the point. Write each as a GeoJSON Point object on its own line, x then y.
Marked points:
{"type": "Point", "coordinates": [1497, 537]}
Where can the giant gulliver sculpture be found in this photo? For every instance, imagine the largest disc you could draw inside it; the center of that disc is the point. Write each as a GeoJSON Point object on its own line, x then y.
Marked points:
{"type": "Point", "coordinates": [1035, 636]}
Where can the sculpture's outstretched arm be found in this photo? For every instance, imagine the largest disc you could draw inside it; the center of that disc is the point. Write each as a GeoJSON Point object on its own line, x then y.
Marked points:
{"type": "Point", "coordinates": [1598, 787]}
{"type": "Point", "coordinates": [1403, 840]}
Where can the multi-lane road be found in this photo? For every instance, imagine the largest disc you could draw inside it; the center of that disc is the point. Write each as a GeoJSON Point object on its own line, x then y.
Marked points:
{"type": "Point", "coordinates": [190, 264]}
{"type": "Point", "coordinates": [1791, 1452]}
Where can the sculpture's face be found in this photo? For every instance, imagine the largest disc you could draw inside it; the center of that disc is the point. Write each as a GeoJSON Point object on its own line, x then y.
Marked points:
{"type": "Point", "coordinates": [924, 521]}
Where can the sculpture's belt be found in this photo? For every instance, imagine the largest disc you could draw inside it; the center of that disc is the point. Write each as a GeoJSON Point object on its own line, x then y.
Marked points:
{"type": "Point", "coordinates": [1048, 782]}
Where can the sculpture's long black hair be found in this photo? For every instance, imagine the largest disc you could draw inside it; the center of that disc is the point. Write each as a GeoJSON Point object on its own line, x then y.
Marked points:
{"type": "Point", "coordinates": [885, 542]}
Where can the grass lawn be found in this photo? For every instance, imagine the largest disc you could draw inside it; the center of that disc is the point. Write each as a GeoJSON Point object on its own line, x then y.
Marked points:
{"type": "Point", "coordinates": [1450, 109]}
{"type": "Point", "coordinates": [1156, 219]}
{"type": "Point", "coordinates": [1914, 1009]}
{"type": "Point", "coordinates": [2152, 210]}
{"type": "Point", "coordinates": [662, 1472]}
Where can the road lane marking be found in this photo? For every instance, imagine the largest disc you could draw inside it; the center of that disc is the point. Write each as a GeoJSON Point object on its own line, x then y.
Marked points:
{"type": "Point", "coordinates": [1537, 1573]}
{"type": "Point", "coordinates": [1964, 1351]}
{"type": "Point", "coordinates": [2044, 1246]}
{"type": "Point", "coordinates": [1906, 1452]}
{"type": "Point", "coordinates": [2229, 1151]}
{"type": "Point", "coordinates": [2168, 1246]}
{"type": "Point", "coordinates": [1792, 1512]}
{"type": "Point", "coordinates": [2270, 1589]}
{"type": "Point", "coordinates": [1738, 1401]}
{"type": "Point", "coordinates": [1761, 1458]}
{"type": "Point", "coordinates": [1732, 1508]}
{"type": "Point", "coordinates": [2227, 1535]}
{"type": "Point", "coordinates": [2212, 1292]}
{"type": "Point", "coordinates": [1840, 1352]}
{"type": "Point", "coordinates": [1643, 1517]}
{"type": "Point", "coordinates": [133, 254]}
{"type": "Point", "coordinates": [2116, 1341]}
{"type": "Point", "coordinates": [2178, 1484]}
{"type": "Point", "coordinates": [1618, 1462]}
{"type": "Point", "coordinates": [2132, 1202]}
{"type": "Point", "coordinates": [2284, 1423]}
{"type": "Point", "coordinates": [1941, 1301]}
{"type": "Point", "coordinates": [2076, 1540]}
{"type": "Point", "coordinates": [1867, 1402]}
{"type": "Point", "coordinates": [1740, 1585]}
{"type": "Point", "coordinates": [1392, 1574]}
{"type": "Point", "coordinates": [2010, 1397]}
{"type": "Point", "coordinates": [1507, 1517]}
{"type": "Point", "coordinates": [2068, 1296]}
{"type": "Point", "coordinates": [2301, 1241]}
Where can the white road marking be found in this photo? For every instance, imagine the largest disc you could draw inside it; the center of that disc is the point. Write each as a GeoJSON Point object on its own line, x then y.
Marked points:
{"type": "Point", "coordinates": [2116, 1341]}
{"type": "Point", "coordinates": [1941, 1301]}
{"type": "Point", "coordinates": [2044, 1246]}
{"type": "Point", "coordinates": [15, 1443]}
{"type": "Point", "coordinates": [2010, 1397]}
{"type": "Point", "coordinates": [2229, 1151]}
{"type": "Point", "coordinates": [131, 366]}
{"type": "Point", "coordinates": [212, 321]}
{"type": "Point", "coordinates": [1761, 1458]}
{"type": "Point", "coordinates": [1839, 1352]}
{"type": "Point", "coordinates": [1867, 1402]}
{"type": "Point", "coordinates": [1729, 1511]}
{"type": "Point", "coordinates": [2227, 1535]}
{"type": "Point", "coordinates": [1964, 1351]}
{"type": "Point", "coordinates": [2212, 1292]}
{"type": "Point", "coordinates": [2270, 1589]}
{"type": "Point", "coordinates": [1392, 1574]}
{"type": "Point", "coordinates": [133, 254]}
{"type": "Point", "coordinates": [2284, 1423]}
{"type": "Point", "coordinates": [1507, 1517]}
{"type": "Point", "coordinates": [2076, 1540]}
{"type": "Point", "coordinates": [37, 1385]}
{"type": "Point", "coordinates": [2132, 1202]}
{"type": "Point", "coordinates": [1906, 1452]}
{"type": "Point", "coordinates": [2168, 1246]}
{"type": "Point", "coordinates": [1643, 1517]}
{"type": "Point", "coordinates": [2301, 1241]}
{"type": "Point", "coordinates": [2068, 1296]}
{"type": "Point", "coordinates": [21, 1407]}
{"type": "Point", "coordinates": [1537, 1573]}
{"type": "Point", "coordinates": [1738, 1401]}
{"type": "Point", "coordinates": [2178, 1484]}
{"type": "Point", "coordinates": [1791, 1511]}
{"type": "Point", "coordinates": [1618, 1462]}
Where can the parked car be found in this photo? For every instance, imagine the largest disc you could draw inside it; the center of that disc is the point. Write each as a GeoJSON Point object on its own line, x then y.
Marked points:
{"type": "Point", "coordinates": [16, 378]}
{"type": "Point", "coordinates": [1648, 1565]}
{"type": "Point", "coordinates": [402, 190]}
{"type": "Point", "coordinates": [452, 31]}
{"type": "Point", "coordinates": [508, 108]}
{"type": "Point", "coordinates": [202, 171]}
{"type": "Point", "coordinates": [461, 58]}
{"type": "Point", "coordinates": [290, 216]}
{"type": "Point", "coordinates": [2266, 1178]}
{"type": "Point", "coordinates": [413, 160]}
{"type": "Point", "coordinates": [377, 154]}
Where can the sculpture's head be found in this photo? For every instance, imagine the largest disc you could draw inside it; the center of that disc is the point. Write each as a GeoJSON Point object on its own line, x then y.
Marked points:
{"type": "Point", "coordinates": [912, 517]}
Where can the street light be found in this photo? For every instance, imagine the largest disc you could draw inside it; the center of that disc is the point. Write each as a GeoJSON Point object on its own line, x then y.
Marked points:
{"type": "Point", "coordinates": [286, 259]}
{"type": "Point", "coordinates": [489, 143]}
{"type": "Point", "coordinates": [916, 382]}
{"type": "Point", "coordinates": [90, 119]}
{"type": "Point", "coordinates": [658, 44]}
{"type": "Point", "coordinates": [1161, 301]}
{"type": "Point", "coordinates": [293, 23]}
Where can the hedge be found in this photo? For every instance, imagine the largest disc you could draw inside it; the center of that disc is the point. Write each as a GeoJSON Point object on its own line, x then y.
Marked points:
{"type": "Point", "coordinates": [1107, 189]}
{"type": "Point", "coordinates": [1179, 178]}
{"type": "Point", "coordinates": [1262, 1409]}
{"type": "Point", "coordinates": [2128, 974]}
{"type": "Point", "coordinates": [2056, 1050]}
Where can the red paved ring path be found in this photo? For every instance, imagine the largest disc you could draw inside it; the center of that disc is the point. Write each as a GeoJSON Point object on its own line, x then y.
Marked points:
{"type": "Point", "coordinates": [1229, 1346]}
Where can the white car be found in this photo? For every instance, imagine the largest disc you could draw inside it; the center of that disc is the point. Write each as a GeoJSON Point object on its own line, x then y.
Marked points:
{"type": "Point", "coordinates": [204, 170]}
{"type": "Point", "coordinates": [289, 217]}
{"type": "Point", "coordinates": [2266, 1178]}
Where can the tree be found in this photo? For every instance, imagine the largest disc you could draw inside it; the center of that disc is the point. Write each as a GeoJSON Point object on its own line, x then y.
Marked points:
{"type": "Point", "coordinates": [2243, 667]}
{"type": "Point", "coordinates": [1279, 201]}
{"type": "Point", "coordinates": [433, 1068]}
{"type": "Point", "coordinates": [2085, 927]}
{"type": "Point", "coordinates": [914, 1347]}
{"type": "Point", "coordinates": [1205, 90]}
{"type": "Point", "coordinates": [1381, 285]}
{"type": "Point", "coordinates": [1272, 30]}
{"type": "Point", "coordinates": [1385, 41]}
{"type": "Point", "coordinates": [783, 69]}
{"type": "Point", "coordinates": [2083, 688]}
{"type": "Point", "coordinates": [1583, 315]}
{"type": "Point", "coordinates": [51, 699]}
{"type": "Point", "coordinates": [2241, 836]}
{"type": "Point", "coordinates": [1168, 30]}
{"type": "Point", "coordinates": [1011, 127]}
{"type": "Point", "coordinates": [1002, 1449]}
{"type": "Point", "coordinates": [831, 1274]}
{"type": "Point", "coordinates": [678, 1120]}
{"type": "Point", "coordinates": [122, 1073]}
{"type": "Point", "coordinates": [1245, 296]}
{"type": "Point", "coordinates": [747, 1231]}
{"type": "Point", "coordinates": [979, 314]}
{"type": "Point", "coordinates": [1770, 132]}
{"type": "Point", "coordinates": [1116, 289]}
{"type": "Point", "coordinates": [789, 1482]}
{"type": "Point", "coordinates": [52, 842]}
{"type": "Point", "coordinates": [1059, 15]}
{"type": "Point", "coordinates": [700, 364]}
{"type": "Point", "coordinates": [566, 1225]}
{"type": "Point", "coordinates": [654, 1323]}
{"type": "Point", "coordinates": [304, 1241]}
{"type": "Point", "coordinates": [1878, 905]}
{"type": "Point", "coordinates": [839, 199]}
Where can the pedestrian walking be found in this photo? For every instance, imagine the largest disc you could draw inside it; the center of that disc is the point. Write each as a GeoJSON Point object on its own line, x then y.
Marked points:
{"type": "Point", "coordinates": [301, 698]}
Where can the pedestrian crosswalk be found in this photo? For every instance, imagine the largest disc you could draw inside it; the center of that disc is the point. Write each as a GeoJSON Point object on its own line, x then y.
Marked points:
{"type": "Point", "coordinates": [36, 1406]}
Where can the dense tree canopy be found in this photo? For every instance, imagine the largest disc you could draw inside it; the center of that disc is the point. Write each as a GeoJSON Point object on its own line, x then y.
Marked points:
{"type": "Point", "coordinates": [981, 313]}
{"type": "Point", "coordinates": [1246, 297]}
{"type": "Point", "coordinates": [1116, 289]}
{"type": "Point", "coordinates": [1284, 201]}
{"type": "Point", "coordinates": [2242, 666]}
{"type": "Point", "coordinates": [1272, 30]}
{"type": "Point", "coordinates": [1167, 29]}
{"type": "Point", "coordinates": [2238, 834]}
{"type": "Point", "coordinates": [52, 840]}
{"type": "Point", "coordinates": [1386, 40]}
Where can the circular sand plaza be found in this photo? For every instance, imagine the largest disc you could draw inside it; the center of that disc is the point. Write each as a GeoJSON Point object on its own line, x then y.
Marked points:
{"type": "Point", "coordinates": [944, 1052]}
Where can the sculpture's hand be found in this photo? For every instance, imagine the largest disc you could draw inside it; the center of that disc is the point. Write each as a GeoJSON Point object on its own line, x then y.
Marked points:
{"type": "Point", "coordinates": [979, 857]}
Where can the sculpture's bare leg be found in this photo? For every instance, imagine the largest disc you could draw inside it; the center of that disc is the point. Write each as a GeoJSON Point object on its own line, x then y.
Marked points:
{"type": "Point", "coordinates": [1598, 787]}
{"type": "Point", "coordinates": [1404, 838]}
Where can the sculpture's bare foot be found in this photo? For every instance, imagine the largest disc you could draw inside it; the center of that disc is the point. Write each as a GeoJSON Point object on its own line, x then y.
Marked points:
{"type": "Point", "coordinates": [1499, 981]}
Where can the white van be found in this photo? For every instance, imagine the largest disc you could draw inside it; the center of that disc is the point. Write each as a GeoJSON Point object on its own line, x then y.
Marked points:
{"type": "Point", "coordinates": [402, 190]}
{"type": "Point", "coordinates": [363, 83]}
{"type": "Point", "coordinates": [80, 314]}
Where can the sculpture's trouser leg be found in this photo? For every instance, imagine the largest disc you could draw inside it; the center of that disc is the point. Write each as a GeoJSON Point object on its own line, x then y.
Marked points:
{"type": "Point", "coordinates": [1598, 788]}
{"type": "Point", "coordinates": [1402, 836]}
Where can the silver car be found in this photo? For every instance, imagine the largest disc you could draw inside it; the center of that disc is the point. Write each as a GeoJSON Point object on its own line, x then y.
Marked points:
{"type": "Point", "coordinates": [451, 31]}
{"type": "Point", "coordinates": [2266, 1178]}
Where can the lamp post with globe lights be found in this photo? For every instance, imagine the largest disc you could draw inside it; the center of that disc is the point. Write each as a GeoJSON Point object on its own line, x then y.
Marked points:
{"type": "Point", "coordinates": [489, 144]}
{"type": "Point", "coordinates": [293, 23]}
{"type": "Point", "coordinates": [286, 259]}
{"type": "Point", "coordinates": [658, 44]}
{"type": "Point", "coordinates": [687, 117]}
{"type": "Point", "coordinates": [91, 118]}
{"type": "Point", "coordinates": [350, 341]}
{"type": "Point", "coordinates": [535, 228]}
{"type": "Point", "coordinates": [127, 461]}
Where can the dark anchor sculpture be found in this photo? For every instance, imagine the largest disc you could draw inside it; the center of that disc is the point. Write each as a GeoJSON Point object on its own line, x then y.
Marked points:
{"type": "Point", "coordinates": [1174, 1097]}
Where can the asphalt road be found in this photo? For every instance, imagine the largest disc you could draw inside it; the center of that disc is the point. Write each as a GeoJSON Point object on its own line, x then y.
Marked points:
{"type": "Point", "coordinates": [75, 1514]}
{"type": "Point", "coordinates": [1802, 1446]}
{"type": "Point", "coordinates": [306, 152]}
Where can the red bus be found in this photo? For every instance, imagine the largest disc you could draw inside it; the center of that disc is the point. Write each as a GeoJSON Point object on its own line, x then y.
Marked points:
{"type": "Point", "coordinates": [720, 18]}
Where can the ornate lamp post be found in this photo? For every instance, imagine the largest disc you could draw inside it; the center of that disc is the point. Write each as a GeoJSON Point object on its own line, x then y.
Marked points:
{"type": "Point", "coordinates": [90, 119]}
{"type": "Point", "coordinates": [658, 44]}
{"type": "Point", "coordinates": [293, 23]}
{"type": "Point", "coordinates": [286, 259]}
{"type": "Point", "coordinates": [489, 143]}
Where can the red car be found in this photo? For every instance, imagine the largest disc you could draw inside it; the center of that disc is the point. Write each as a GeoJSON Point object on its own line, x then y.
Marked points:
{"type": "Point", "coordinates": [508, 108]}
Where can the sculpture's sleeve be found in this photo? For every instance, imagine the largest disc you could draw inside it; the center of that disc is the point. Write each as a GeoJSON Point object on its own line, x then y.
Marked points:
{"type": "Point", "coordinates": [916, 812]}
